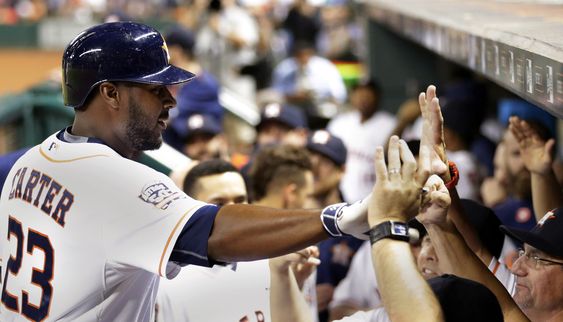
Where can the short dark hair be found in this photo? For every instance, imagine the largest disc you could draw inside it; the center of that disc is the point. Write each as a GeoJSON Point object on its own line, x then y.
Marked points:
{"type": "Point", "coordinates": [278, 165]}
{"type": "Point", "coordinates": [204, 169]}
{"type": "Point", "coordinates": [370, 84]}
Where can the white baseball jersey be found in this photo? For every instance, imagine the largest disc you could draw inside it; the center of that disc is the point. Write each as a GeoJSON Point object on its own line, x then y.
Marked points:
{"type": "Point", "coordinates": [360, 140]}
{"type": "Point", "coordinates": [232, 293]}
{"type": "Point", "coordinates": [85, 234]}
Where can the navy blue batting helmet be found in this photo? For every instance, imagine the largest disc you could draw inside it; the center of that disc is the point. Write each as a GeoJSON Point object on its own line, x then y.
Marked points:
{"type": "Point", "coordinates": [117, 51]}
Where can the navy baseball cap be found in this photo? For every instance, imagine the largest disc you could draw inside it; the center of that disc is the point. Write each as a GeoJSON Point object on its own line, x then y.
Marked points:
{"type": "Point", "coordinates": [286, 114]}
{"type": "Point", "coordinates": [486, 224]}
{"type": "Point", "coordinates": [546, 236]}
{"type": "Point", "coordinates": [463, 300]}
{"type": "Point", "coordinates": [196, 123]}
{"type": "Point", "coordinates": [180, 36]}
{"type": "Point", "coordinates": [328, 145]}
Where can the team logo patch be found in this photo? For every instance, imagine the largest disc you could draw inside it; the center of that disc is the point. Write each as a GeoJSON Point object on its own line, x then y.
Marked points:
{"type": "Point", "coordinates": [195, 122]}
{"type": "Point", "coordinates": [160, 195]}
{"type": "Point", "coordinates": [523, 215]}
{"type": "Point", "coordinates": [272, 110]}
{"type": "Point", "coordinates": [321, 137]}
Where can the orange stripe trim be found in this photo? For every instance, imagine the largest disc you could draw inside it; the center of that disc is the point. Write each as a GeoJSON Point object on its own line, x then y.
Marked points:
{"type": "Point", "coordinates": [70, 160]}
{"type": "Point", "coordinates": [170, 238]}
{"type": "Point", "coordinates": [496, 267]}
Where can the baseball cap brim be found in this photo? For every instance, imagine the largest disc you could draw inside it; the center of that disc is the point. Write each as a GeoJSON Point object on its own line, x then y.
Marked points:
{"type": "Point", "coordinates": [326, 152]}
{"type": "Point", "coordinates": [169, 75]}
{"type": "Point", "coordinates": [532, 239]}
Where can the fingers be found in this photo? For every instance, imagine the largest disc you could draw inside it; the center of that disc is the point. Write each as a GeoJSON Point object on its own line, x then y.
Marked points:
{"type": "Point", "coordinates": [309, 255]}
{"type": "Point", "coordinates": [394, 158]}
{"type": "Point", "coordinates": [517, 127]}
{"type": "Point", "coordinates": [380, 166]}
{"type": "Point", "coordinates": [443, 200]}
{"type": "Point", "coordinates": [430, 92]}
{"type": "Point", "coordinates": [437, 122]}
{"type": "Point", "coordinates": [424, 165]}
{"type": "Point", "coordinates": [409, 162]}
{"type": "Point", "coordinates": [422, 103]}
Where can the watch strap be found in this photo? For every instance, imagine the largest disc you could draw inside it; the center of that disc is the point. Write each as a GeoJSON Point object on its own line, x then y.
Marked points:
{"type": "Point", "coordinates": [389, 229]}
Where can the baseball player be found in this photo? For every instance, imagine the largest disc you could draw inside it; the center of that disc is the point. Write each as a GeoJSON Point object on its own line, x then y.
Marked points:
{"type": "Point", "coordinates": [242, 289]}
{"type": "Point", "coordinates": [87, 231]}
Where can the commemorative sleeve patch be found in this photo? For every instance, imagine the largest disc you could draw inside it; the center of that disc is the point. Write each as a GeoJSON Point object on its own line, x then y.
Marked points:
{"type": "Point", "coordinates": [160, 195]}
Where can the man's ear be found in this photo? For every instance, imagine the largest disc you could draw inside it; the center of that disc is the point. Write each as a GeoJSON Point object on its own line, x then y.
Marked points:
{"type": "Point", "coordinates": [110, 94]}
{"type": "Point", "coordinates": [289, 193]}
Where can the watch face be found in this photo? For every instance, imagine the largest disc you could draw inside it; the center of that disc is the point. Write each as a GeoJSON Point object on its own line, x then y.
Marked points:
{"type": "Point", "coordinates": [399, 230]}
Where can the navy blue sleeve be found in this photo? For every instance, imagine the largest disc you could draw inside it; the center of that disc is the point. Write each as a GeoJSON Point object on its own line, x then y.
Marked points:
{"type": "Point", "coordinates": [191, 245]}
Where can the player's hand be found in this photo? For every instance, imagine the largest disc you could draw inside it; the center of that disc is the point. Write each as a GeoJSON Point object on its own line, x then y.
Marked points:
{"type": "Point", "coordinates": [303, 263]}
{"type": "Point", "coordinates": [435, 207]}
{"type": "Point", "coordinates": [398, 187]}
{"type": "Point", "coordinates": [432, 132]}
{"type": "Point", "coordinates": [536, 153]}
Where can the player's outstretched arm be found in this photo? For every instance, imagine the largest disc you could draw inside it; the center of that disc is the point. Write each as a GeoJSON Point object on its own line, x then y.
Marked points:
{"type": "Point", "coordinates": [287, 303]}
{"type": "Point", "coordinates": [249, 232]}
{"type": "Point", "coordinates": [538, 159]}
{"type": "Point", "coordinates": [397, 189]}
{"type": "Point", "coordinates": [433, 139]}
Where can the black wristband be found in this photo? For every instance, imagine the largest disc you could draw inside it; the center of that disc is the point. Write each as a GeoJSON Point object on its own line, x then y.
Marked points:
{"type": "Point", "coordinates": [390, 229]}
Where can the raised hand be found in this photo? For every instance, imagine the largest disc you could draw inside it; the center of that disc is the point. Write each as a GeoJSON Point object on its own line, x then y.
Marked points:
{"type": "Point", "coordinates": [536, 153]}
{"type": "Point", "coordinates": [432, 131]}
{"type": "Point", "coordinates": [396, 194]}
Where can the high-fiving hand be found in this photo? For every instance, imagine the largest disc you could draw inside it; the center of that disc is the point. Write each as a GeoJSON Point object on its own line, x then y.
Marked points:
{"type": "Point", "coordinates": [397, 191]}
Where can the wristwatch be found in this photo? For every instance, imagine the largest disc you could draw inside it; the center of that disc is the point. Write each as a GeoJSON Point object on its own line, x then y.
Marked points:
{"type": "Point", "coordinates": [390, 229]}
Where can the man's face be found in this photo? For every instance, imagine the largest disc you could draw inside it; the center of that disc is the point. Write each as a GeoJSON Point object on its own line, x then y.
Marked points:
{"type": "Point", "coordinates": [427, 260]}
{"type": "Point", "coordinates": [221, 189]}
{"type": "Point", "coordinates": [272, 133]}
{"type": "Point", "coordinates": [517, 175]}
{"type": "Point", "coordinates": [499, 162]}
{"type": "Point", "coordinates": [514, 160]}
{"type": "Point", "coordinates": [204, 146]}
{"type": "Point", "coordinates": [538, 288]}
{"type": "Point", "coordinates": [303, 56]}
{"type": "Point", "coordinates": [325, 172]}
{"type": "Point", "coordinates": [364, 100]}
{"type": "Point", "coordinates": [147, 121]}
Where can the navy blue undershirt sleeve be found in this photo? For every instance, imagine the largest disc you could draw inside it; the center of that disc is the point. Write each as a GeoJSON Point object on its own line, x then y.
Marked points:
{"type": "Point", "coordinates": [191, 245]}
